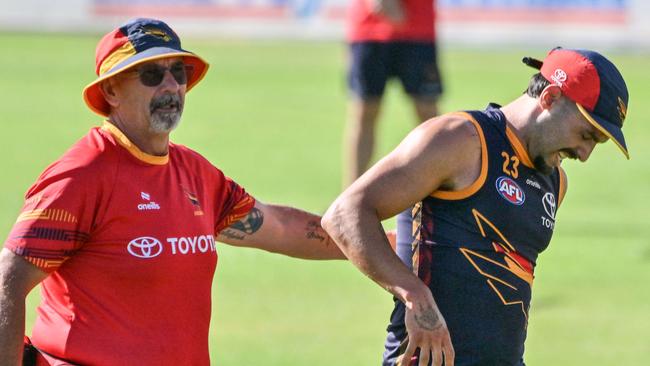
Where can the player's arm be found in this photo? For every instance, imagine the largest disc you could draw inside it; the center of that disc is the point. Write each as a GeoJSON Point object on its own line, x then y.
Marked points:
{"type": "Point", "coordinates": [284, 230]}
{"type": "Point", "coordinates": [17, 278]}
{"type": "Point", "coordinates": [444, 153]}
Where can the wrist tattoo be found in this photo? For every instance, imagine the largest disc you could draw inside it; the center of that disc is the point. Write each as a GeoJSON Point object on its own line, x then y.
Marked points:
{"type": "Point", "coordinates": [427, 319]}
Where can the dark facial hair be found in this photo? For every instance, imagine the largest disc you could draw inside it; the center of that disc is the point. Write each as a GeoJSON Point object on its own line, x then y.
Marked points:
{"type": "Point", "coordinates": [541, 166]}
{"type": "Point", "coordinates": [164, 100]}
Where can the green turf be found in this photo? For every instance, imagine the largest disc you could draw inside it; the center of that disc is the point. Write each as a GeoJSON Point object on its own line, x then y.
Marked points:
{"type": "Point", "coordinates": [270, 114]}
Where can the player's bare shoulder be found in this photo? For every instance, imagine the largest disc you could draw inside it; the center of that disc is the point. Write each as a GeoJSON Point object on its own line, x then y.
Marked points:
{"type": "Point", "coordinates": [457, 125]}
{"type": "Point", "coordinates": [454, 141]}
{"type": "Point", "coordinates": [453, 133]}
{"type": "Point", "coordinates": [443, 153]}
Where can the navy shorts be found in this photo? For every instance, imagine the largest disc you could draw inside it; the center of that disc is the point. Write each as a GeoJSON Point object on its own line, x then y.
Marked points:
{"type": "Point", "coordinates": [486, 311]}
{"type": "Point", "coordinates": [413, 63]}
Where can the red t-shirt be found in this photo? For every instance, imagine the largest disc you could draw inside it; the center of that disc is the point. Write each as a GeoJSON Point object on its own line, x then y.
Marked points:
{"type": "Point", "coordinates": [364, 25]}
{"type": "Point", "coordinates": [128, 239]}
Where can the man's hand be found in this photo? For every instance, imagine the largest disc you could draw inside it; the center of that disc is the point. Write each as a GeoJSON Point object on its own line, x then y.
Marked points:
{"type": "Point", "coordinates": [427, 330]}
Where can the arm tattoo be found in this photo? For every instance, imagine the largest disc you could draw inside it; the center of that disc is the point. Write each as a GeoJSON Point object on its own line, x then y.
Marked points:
{"type": "Point", "coordinates": [232, 234]}
{"type": "Point", "coordinates": [428, 319]}
{"type": "Point", "coordinates": [249, 224]}
{"type": "Point", "coordinates": [315, 231]}
{"type": "Point", "coordinates": [312, 231]}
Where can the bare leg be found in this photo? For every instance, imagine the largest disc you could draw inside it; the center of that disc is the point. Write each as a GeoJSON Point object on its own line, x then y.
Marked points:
{"type": "Point", "coordinates": [425, 108]}
{"type": "Point", "coordinates": [359, 137]}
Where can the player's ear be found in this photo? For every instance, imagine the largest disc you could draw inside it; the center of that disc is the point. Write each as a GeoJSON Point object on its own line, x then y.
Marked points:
{"type": "Point", "coordinates": [108, 90]}
{"type": "Point", "coordinates": [549, 96]}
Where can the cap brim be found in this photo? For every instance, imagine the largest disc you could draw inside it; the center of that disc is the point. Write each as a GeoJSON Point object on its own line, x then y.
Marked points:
{"type": "Point", "coordinates": [92, 93]}
{"type": "Point", "coordinates": [609, 129]}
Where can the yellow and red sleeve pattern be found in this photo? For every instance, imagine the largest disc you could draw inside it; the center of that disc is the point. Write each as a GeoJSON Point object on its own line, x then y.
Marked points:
{"type": "Point", "coordinates": [52, 225]}
{"type": "Point", "coordinates": [46, 237]}
{"type": "Point", "coordinates": [237, 204]}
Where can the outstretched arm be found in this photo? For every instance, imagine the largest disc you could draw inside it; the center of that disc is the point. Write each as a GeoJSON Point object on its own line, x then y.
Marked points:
{"type": "Point", "coordinates": [284, 230]}
{"type": "Point", "coordinates": [17, 278]}
{"type": "Point", "coordinates": [443, 153]}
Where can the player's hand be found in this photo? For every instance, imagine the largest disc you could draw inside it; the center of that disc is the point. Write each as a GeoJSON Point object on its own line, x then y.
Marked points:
{"type": "Point", "coordinates": [391, 9]}
{"type": "Point", "coordinates": [427, 331]}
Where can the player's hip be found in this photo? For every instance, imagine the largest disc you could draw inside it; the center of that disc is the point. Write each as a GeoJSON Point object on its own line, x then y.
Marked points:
{"type": "Point", "coordinates": [484, 301]}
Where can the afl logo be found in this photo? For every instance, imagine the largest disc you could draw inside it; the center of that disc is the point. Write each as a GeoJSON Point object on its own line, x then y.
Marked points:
{"type": "Point", "coordinates": [549, 204]}
{"type": "Point", "coordinates": [511, 191]}
{"type": "Point", "coordinates": [145, 247]}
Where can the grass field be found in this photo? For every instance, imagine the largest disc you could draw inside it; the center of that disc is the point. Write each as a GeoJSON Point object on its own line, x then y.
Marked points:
{"type": "Point", "coordinates": [270, 115]}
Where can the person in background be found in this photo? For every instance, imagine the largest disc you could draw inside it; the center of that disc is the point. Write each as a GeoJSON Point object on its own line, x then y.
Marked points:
{"type": "Point", "coordinates": [387, 39]}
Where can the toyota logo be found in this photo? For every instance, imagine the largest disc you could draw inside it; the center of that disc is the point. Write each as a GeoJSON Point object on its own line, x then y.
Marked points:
{"type": "Point", "coordinates": [549, 204]}
{"type": "Point", "coordinates": [145, 247]}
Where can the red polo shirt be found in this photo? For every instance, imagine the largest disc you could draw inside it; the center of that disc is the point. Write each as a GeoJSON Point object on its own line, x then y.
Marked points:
{"type": "Point", "coordinates": [128, 239]}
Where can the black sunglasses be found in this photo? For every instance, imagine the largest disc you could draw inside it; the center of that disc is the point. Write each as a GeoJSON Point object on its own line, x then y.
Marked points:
{"type": "Point", "coordinates": [153, 74]}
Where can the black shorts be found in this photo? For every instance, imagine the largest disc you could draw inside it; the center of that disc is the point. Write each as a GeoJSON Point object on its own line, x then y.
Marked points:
{"type": "Point", "coordinates": [413, 63]}
{"type": "Point", "coordinates": [486, 311]}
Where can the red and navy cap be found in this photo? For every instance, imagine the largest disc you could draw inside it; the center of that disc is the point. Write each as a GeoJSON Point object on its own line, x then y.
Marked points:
{"type": "Point", "coordinates": [593, 83]}
{"type": "Point", "coordinates": [138, 41]}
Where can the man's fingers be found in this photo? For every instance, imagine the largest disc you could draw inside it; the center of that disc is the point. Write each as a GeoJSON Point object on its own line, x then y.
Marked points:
{"type": "Point", "coordinates": [424, 356]}
{"type": "Point", "coordinates": [437, 357]}
{"type": "Point", "coordinates": [450, 354]}
{"type": "Point", "coordinates": [406, 357]}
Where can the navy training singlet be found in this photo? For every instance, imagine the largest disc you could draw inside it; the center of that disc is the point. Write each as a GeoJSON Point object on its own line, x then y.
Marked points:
{"type": "Point", "coordinates": [510, 207]}
{"type": "Point", "coordinates": [476, 249]}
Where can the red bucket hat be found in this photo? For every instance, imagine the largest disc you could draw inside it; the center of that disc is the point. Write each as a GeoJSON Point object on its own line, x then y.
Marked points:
{"type": "Point", "coordinates": [136, 42]}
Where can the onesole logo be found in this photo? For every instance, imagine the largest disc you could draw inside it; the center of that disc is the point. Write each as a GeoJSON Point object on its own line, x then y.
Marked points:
{"type": "Point", "coordinates": [145, 247]}
{"type": "Point", "coordinates": [511, 191]}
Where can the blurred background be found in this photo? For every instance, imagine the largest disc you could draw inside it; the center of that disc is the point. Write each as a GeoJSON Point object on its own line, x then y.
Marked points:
{"type": "Point", "coordinates": [270, 114]}
{"type": "Point", "coordinates": [621, 24]}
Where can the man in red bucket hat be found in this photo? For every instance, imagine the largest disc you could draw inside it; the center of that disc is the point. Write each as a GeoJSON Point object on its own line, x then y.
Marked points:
{"type": "Point", "coordinates": [121, 230]}
{"type": "Point", "coordinates": [486, 187]}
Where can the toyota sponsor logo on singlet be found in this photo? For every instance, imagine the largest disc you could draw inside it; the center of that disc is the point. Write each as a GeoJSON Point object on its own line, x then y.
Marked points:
{"type": "Point", "coordinates": [145, 247]}
{"type": "Point", "coordinates": [510, 191]}
{"type": "Point", "coordinates": [550, 206]}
